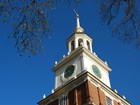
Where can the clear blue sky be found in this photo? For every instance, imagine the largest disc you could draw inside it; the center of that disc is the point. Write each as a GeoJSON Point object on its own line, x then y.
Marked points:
{"type": "Point", "coordinates": [23, 80]}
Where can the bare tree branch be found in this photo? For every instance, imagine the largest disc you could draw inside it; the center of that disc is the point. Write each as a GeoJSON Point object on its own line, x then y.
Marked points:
{"type": "Point", "coordinates": [29, 19]}
{"type": "Point", "coordinates": [123, 17]}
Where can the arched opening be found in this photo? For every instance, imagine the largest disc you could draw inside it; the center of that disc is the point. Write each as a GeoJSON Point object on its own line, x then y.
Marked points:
{"type": "Point", "coordinates": [80, 42]}
{"type": "Point", "coordinates": [72, 46]}
{"type": "Point", "coordinates": [88, 45]}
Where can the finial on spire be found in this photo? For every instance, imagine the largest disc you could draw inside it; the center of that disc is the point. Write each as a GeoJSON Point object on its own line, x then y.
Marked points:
{"type": "Point", "coordinates": [78, 27]}
{"type": "Point", "coordinates": [77, 18]}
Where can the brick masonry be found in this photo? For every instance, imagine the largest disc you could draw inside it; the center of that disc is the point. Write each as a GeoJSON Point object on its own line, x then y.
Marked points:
{"type": "Point", "coordinates": [87, 94]}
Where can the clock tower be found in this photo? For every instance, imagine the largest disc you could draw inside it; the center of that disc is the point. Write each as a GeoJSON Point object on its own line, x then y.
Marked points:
{"type": "Point", "coordinates": [81, 77]}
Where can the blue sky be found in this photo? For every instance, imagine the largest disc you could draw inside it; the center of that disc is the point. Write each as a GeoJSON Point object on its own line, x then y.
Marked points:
{"type": "Point", "coordinates": [23, 80]}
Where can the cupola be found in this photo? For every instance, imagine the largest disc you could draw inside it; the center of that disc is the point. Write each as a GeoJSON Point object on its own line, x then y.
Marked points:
{"type": "Point", "coordinates": [79, 38]}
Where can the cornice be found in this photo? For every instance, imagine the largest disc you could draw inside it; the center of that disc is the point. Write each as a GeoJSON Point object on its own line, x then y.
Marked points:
{"type": "Point", "coordinates": [74, 82]}
{"type": "Point", "coordinates": [78, 52]}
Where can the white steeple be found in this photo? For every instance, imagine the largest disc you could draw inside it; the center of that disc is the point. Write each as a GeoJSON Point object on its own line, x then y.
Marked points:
{"type": "Point", "coordinates": [78, 27]}
{"type": "Point", "coordinates": [80, 59]}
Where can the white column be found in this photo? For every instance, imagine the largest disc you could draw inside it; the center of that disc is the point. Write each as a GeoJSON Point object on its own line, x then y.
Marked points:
{"type": "Point", "coordinates": [85, 43]}
{"type": "Point", "coordinates": [91, 46]}
{"type": "Point", "coordinates": [69, 46]}
{"type": "Point", "coordinates": [76, 43]}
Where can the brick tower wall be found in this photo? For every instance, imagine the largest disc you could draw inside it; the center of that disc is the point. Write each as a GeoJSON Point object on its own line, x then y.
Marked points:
{"type": "Point", "coordinates": [87, 94]}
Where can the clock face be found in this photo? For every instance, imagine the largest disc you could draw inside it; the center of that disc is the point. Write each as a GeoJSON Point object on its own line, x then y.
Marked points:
{"type": "Point", "coordinates": [69, 71]}
{"type": "Point", "coordinates": [96, 71]}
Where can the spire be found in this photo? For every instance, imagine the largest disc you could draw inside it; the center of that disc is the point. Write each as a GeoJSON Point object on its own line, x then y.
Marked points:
{"type": "Point", "coordinates": [78, 27]}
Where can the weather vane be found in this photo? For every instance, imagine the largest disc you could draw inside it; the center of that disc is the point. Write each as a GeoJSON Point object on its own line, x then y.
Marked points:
{"type": "Point", "coordinates": [76, 13]}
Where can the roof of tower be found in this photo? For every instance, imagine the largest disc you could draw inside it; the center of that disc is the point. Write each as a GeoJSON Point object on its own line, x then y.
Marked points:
{"type": "Point", "coordinates": [78, 28]}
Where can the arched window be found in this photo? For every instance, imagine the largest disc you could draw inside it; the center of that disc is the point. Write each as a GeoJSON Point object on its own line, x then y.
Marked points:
{"type": "Point", "coordinates": [72, 46]}
{"type": "Point", "coordinates": [80, 42]}
{"type": "Point", "coordinates": [88, 45]}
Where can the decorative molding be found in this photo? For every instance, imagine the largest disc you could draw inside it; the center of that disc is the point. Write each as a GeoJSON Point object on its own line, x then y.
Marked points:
{"type": "Point", "coordinates": [78, 52]}
{"type": "Point", "coordinates": [69, 85]}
